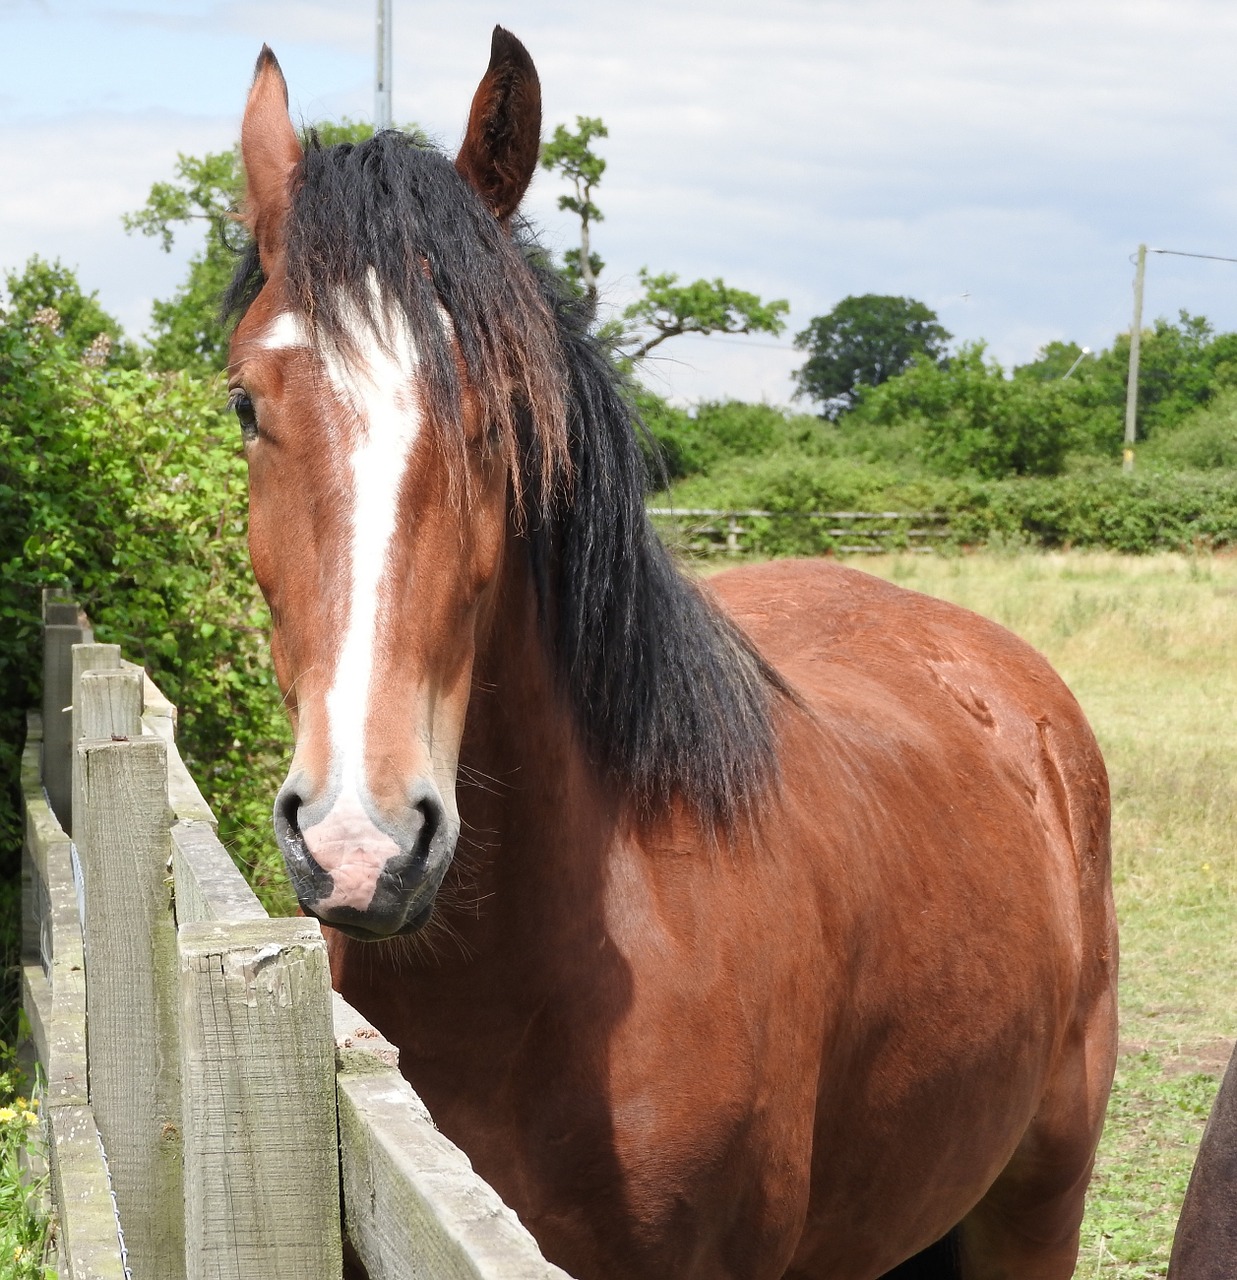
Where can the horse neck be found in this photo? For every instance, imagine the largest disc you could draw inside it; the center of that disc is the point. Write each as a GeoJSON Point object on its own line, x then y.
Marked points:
{"type": "Point", "coordinates": [536, 812]}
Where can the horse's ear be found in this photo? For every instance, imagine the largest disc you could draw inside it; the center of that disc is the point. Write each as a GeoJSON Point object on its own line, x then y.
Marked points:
{"type": "Point", "coordinates": [499, 154]}
{"type": "Point", "coordinates": [271, 153]}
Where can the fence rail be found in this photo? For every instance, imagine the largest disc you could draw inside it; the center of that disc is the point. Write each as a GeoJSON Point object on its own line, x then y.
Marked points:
{"type": "Point", "coordinates": [710, 530]}
{"type": "Point", "coordinates": [221, 1111]}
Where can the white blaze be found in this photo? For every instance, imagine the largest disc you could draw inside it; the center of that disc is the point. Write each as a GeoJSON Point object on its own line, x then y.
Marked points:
{"type": "Point", "coordinates": [379, 425]}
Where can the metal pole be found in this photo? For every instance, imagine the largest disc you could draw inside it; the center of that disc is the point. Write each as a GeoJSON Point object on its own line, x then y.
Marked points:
{"type": "Point", "coordinates": [1131, 390]}
{"type": "Point", "coordinates": [382, 76]}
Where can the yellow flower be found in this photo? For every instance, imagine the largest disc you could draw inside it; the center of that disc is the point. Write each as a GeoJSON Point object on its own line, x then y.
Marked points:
{"type": "Point", "coordinates": [31, 1119]}
{"type": "Point", "coordinates": [7, 1114]}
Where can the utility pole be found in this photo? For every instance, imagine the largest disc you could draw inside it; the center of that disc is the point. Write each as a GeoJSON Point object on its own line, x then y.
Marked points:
{"type": "Point", "coordinates": [1131, 390]}
{"type": "Point", "coordinates": [382, 76]}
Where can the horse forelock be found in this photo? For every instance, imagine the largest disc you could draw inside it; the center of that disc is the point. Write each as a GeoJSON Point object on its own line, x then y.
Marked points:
{"type": "Point", "coordinates": [387, 228]}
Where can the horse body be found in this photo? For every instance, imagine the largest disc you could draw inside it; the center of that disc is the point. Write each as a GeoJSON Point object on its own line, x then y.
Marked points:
{"type": "Point", "coordinates": [662, 1058]}
{"type": "Point", "coordinates": [751, 932]}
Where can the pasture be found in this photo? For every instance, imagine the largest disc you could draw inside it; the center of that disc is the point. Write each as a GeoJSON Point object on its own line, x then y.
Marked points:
{"type": "Point", "coordinates": [1147, 645]}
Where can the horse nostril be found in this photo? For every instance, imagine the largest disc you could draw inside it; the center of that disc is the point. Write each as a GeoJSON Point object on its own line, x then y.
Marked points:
{"type": "Point", "coordinates": [287, 810]}
{"type": "Point", "coordinates": [430, 815]}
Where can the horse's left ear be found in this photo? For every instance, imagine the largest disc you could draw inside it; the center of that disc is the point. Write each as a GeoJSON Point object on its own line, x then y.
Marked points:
{"type": "Point", "coordinates": [271, 153]}
{"type": "Point", "coordinates": [499, 153]}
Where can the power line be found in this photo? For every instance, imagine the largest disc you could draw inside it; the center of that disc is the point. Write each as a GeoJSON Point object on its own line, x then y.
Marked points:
{"type": "Point", "coordinates": [1180, 253]}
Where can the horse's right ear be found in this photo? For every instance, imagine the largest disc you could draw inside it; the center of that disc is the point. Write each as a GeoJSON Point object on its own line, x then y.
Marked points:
{"type": "Point", "coordinates": [499, 153]}
{"type": "Point", "coordinates": [271, 154]}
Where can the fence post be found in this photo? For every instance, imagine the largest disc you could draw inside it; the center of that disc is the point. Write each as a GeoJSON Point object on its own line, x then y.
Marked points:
{"type": "Point", "coordinates": [258, 1065]}
{"type": "Point", "coordinates": [84, 657]}
{"type": "Point", "coordinates": [121, 828]}
{"type": "Point", "coordinates": [62, 629]}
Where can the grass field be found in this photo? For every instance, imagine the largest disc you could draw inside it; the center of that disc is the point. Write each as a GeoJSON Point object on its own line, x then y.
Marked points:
{"type": "Point", "coordinates": [1147, 645]}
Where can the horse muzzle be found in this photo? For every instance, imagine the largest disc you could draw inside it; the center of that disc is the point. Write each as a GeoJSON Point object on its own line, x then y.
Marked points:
{"type": "Point", "coordinates": [367, 875]}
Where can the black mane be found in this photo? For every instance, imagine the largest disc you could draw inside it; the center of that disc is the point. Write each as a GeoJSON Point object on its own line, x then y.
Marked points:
{"type": "Point", "coordinates": [671, 697]}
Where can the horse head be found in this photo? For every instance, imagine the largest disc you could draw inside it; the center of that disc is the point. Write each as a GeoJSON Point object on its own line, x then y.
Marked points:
{"type": "Point", "coordinates": [380, 373]}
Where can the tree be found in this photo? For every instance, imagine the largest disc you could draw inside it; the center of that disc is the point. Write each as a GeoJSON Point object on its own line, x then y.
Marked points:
{"type": "Point", "coordinates": [666, 308]}
{"type": "Point", "coordinates": [570, 155]}
{"type": "Point", "coordinates": [48, 294]}
{"type": "Point", "coordinates": [862, 342]}
{"type": "Point", "coordinates": [1052, 361]}
{"type": "Point", "coordinates": [187, 332]}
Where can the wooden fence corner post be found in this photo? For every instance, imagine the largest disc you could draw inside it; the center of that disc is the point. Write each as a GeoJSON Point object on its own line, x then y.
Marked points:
{"type": "Point", "coordinates": [258, 1066]}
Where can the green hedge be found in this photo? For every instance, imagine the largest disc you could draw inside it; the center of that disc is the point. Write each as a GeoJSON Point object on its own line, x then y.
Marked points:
{"type": "Point", "coordinates": [128, 488]}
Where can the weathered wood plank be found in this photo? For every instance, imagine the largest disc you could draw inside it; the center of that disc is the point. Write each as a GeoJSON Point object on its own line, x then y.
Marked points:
{"type": "Point", "coordinates": [413, 1207]}
{"type": "Point", "coordinates": [261, 1156]}
{"type": "Point", "coordinates": [58, 642]}
{"type": "Point", "coordinates": [57, 1004]}
{"type": "Point", "coordinates": [111, 705]}
{"type": "Point", "coordinates": [89, 1243]}
{"type": "Point", "coordinates": [208, 884]}
{"type": "Point", "coordinates": [186, 800]}
{"type": "Point", "coordinates": [159, 717]}
{"type": "Point", "coordinates": [132, 1024]}
{"type": "Point", "coordinates": [158, 705]}
{"type": "Point", "coordinates": [359, 1045]}
{"type": "Point", "coordinates": [85, 657]}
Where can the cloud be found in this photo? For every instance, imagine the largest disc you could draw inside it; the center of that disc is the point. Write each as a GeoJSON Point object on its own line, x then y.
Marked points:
{"type": "Point", "coordinates": [1014, 151]}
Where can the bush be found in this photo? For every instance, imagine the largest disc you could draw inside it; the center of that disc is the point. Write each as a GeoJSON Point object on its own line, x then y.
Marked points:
{"type": "Point", "coordinates": [720, 430]}
{"type": "Point", "coordinates": [1148, 511]}
{"type": "Point", "coordinates": [127, 487]}
{"type": "Point", "coordinates": [1207, 439]}
{"type": "Point", "coordinates": [974, 419]}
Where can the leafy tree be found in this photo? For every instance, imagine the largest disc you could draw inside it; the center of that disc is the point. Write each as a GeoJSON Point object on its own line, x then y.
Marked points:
{"type": "Point", "coordinates": [975, 419]}
{"type": "Point", "coordinates": [1052, 361]}
{"type": "Point", "coordinates": [186, 331]}
{"type": "Point", "coordinates": [43, 288]}
{"type": "Point", "coordinates": [666, 308]}
{"type": "Point", "coordinates": [570, 155]}
{"type": "Point", "coordinates": [862, 342]}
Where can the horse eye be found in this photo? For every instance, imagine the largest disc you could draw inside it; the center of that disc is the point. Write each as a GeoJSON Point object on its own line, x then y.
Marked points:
{"type": "Point", "coordinates": [242, 406]}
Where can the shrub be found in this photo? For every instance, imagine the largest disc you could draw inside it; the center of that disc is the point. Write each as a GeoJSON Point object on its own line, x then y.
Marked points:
{"type": "Point", "coordinates": [976, 420]}
{"type": "Point", "coordinates": [1207, 439]}
{"type": "Point", "coordinates": [128, 488]}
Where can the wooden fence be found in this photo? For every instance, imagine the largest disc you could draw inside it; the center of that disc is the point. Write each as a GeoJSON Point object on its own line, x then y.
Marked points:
{"type": "Point", "coordinates": [710, 531]}
{"type": "Point", "coordinates": [211, 1108]}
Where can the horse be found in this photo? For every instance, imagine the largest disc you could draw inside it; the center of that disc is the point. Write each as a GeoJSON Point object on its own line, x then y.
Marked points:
{"type": "Point", "coordinates": [754, 928]}
{"type": "Point", "coordinates": [1205, 1242]}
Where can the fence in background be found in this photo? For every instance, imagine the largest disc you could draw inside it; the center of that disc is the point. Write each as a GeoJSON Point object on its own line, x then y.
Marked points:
{"type": "Point", "coordinates": [220, 1112]}
{"type": "Point", "coordinates": [708, 531]}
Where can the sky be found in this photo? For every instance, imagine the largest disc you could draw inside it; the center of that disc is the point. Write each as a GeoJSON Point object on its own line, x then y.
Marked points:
{"type": "Point", "coordinates": [1000, 160]}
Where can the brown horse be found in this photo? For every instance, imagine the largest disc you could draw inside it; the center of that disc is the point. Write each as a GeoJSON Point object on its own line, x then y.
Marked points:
{"type": "Point", "coordinates": [756, 931]}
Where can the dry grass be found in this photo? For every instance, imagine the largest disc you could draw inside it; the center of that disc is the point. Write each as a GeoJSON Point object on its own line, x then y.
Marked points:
{"type": "Point", "coordinates": [1147, 645]}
